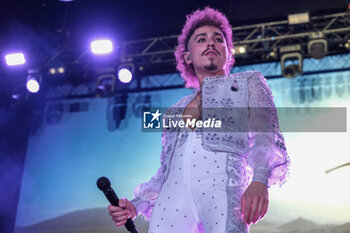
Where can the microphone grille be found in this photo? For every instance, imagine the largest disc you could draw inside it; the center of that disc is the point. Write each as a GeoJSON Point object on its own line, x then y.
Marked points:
{"type": "Point", "coordinates": [103, 183]}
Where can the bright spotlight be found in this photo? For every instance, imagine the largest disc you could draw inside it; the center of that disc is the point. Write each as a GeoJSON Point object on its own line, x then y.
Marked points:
{"type": "Point", "coordinates": [15, 59]}
{"type": "Point", "coordinates": [347, 44]}
{"type": "Point", "coordinates": [124, 75]}
{"type": "Point", "coordinates": [33, 80]}
{"type": "Point", "coordinates": [125, 72]}
{"type": "Point", "coordinates": [57, 72]}
{"type": "Point", "coordinates": [33, 85]}
{"type": "Point", "coordinates": [101, 46]}
{"type": "Point", "coordinates": [60, 70]}
{"type": "Point", "coordinates": [242, 49]}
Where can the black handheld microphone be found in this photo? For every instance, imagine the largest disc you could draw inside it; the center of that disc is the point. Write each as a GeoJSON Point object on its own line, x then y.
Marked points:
{"type": "Point", "coordinates": [104, 185]}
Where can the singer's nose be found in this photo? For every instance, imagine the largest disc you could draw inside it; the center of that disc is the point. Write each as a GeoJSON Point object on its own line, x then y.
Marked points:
{"type": "Point", "coordinates": [210, 43]}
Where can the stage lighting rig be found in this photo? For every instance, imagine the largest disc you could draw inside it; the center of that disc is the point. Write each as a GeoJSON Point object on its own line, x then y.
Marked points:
{"type": "Point", "coordinates": [291, 60]}
{"type": "Point", "coordinates": [101, 47]}
{"type": "Point", "coordinates": [298, 18]}
{"type": "Point", "coordinates": [317, 45]}
{"type": "Point", "coordinates": [126, 72]}
{"type": "Point", "coordinates": [56, 71]}
{"type": "Point", "coordinates": [33, 81]}
{"type": "Point", "coordinates": [239, 50]}
{"type": "Point", "coordinates": [272, 54]}
{"type": "Point", "coordinates": [15, 59]}
{"type": "Point", "coordinates": [105, 85]}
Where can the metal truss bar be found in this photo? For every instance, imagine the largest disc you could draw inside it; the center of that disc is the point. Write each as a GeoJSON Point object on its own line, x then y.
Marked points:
{"type": "Point", "coordinates": [252, 33]}
{"type": "Point", "coordinates": [151, 53]}
{"type": "Point", "coordinates": [330, 23]}
{"type": "Point", "coordinates": [285, 22]}
{"type": "Point", "coordinates": [259, 25]}
{"type": "Point", "coordinates": [279, 28]}
{"type": "Point", "coordinates": [150, 39]}
{"type": "Point", "coordinates": [341, 14]}
{"type": "Point", "coordinates": [152, 50]}
{"type": "Point", "coordinates": [149, 46]}
{"type": "Point", "coordinates": [297, 35]}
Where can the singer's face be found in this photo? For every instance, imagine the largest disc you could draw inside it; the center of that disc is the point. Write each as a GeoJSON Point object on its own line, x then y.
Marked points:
{"type": "Point", "coordinates": [208, 50]}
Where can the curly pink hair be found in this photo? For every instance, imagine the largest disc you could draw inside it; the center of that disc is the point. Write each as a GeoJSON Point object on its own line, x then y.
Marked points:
{"type": "Point", "coordinates": [197, 19]}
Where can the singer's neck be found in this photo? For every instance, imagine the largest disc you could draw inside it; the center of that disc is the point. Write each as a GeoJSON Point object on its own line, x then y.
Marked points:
{"type": "Point", "coordinates": [202, 75]}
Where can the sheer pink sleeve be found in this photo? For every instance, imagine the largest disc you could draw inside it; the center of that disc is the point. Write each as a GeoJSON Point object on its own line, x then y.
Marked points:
{"type": "Point", "coordinates": [267, 155]}
{"type": "Point", "coordinates": [145, 194]}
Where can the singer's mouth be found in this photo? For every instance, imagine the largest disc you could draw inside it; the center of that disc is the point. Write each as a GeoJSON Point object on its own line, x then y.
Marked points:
{"type": "Point", "coordinates": [211, 53]}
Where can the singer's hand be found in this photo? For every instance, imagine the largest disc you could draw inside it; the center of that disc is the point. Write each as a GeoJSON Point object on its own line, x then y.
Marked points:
{"type": "Point", "coordinates": [120, 214]}
{"type": "Point", "coordinates": [255, 201]}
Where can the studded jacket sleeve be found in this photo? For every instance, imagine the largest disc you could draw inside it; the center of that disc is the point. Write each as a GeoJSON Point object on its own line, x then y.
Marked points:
{"type": "Point", "coordinates": [145, 194]}
{"type": "Point", "coordinates": [267, 155]}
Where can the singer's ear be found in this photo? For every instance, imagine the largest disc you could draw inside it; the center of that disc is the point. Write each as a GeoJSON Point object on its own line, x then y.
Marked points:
{"type": "Point", "coordinates": [230, 56]}
{"type": "Point", "coordinates": [187, 58]}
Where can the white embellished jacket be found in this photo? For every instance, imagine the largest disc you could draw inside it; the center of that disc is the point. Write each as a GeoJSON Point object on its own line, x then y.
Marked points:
{"type": "Point", "coordinates": [253, 155]}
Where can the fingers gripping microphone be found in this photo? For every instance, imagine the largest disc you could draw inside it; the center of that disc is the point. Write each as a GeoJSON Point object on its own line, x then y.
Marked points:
{"type": "Point", "coordinates": [104, 185]}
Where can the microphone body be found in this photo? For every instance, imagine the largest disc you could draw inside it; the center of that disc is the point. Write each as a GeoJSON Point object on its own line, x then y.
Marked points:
{"type": "Point", "coordinates": [105, 186]}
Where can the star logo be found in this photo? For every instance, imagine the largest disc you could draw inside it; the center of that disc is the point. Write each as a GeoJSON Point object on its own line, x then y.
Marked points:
{"type": "Point", "coordinates": [151, 120]}
{"type": "Point", "coordinates": [156, 115]}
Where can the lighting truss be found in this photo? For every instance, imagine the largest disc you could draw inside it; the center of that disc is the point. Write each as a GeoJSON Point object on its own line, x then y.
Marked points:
{"type": "Point", "coordinates": [260, 39]}
{"type": "Point", "coordinates": [155, 55]}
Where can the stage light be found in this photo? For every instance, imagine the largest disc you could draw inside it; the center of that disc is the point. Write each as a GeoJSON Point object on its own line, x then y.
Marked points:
{"type": "Point", "coordinates": [15, 59]}
{"type": "Point", "coordinates": [318, 45]}
{"type": "Point", "coordinates": [33, 80]}
{"type": "Point", "coordinates": [242, 49]}
{"type": "Point", "coordinates": [101, 47]}
{"type": "Point", "coordinates": [105, 85]}
{"type": "Point", "coordinates": [125, 72]}
{"type": "Point", "coordinates": [16, 96]}
{"type": "Point", "coordinates": [291, 54]}
{"type": "Point", "coordinates": [33, 85]}
{"type": "Point", "coordinates": [298, 18]}
{"type": "Point", "coordinates": [272, 54]}
{"type": "Point", "coordinates": [60, 70]}
{"type": "Point", "coordinates": [239, 50]}
{"type": "Point", "coordinates": [57, 72]}
{"type": "Point", "coordinates": [124, 75]}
